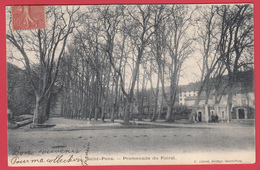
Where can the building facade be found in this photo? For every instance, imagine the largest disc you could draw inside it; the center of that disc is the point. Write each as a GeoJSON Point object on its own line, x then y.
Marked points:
{"type": "Point", "coordinates": [243, 99]}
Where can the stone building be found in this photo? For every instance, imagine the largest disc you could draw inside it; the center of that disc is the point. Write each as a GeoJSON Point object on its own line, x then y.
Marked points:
{"type": "Point", "coordinates": [243, 99]}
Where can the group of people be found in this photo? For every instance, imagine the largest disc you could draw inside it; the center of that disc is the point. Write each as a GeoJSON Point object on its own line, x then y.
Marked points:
{"type": "Point", "coordinates": [197, 117]}
{"type": "Point", "coordinates": [214, 118]}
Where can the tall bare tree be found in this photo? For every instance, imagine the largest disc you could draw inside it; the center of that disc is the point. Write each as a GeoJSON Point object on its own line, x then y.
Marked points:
{"type": "Point", "coordinates": [236, 42]}
{"type": "Point", "coordinates": [208, 41]}
{"type": "Point", "coordinates": [179, 47]}
{"type": "Point", "coordinates": [48, 46]}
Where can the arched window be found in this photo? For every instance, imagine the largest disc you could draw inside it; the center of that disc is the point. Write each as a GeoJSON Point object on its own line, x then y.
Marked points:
{"type": "Point", "coordinates": [223, 114]}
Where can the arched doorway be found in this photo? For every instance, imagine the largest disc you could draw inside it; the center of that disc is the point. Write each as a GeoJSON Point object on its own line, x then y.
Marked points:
{"type": "Point", "coordinates": [223, 114]}
{"type": "Point", "coordinates": [212, 116]}
{"type": "Point", "coordinates": [241, 113]}
{"type": "Point", "coordinates": [199, 116]}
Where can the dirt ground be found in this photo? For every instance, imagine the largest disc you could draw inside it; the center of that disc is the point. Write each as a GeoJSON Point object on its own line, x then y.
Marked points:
{"type": "Point", "coordinates": [223, 139]}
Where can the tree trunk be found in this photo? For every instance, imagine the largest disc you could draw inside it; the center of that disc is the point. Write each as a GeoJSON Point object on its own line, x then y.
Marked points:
{"type": "Point", "coordinates": [156, 98]}
{"type": "Point", "coordinates": [37, 117]}
{"type": "Point", "coordinates": [97, 97]}
{"type": "Point", "coordinates": [139, 98]}
{"type": "Point", "coordinates": [113, 101]}
{"type": "Point", "coordinates": [131, 93]}
{"type": "Point", "coordinates": [103, 111]}
{"type": "Point", "coordinates": [47, 108]}
{"type": "Point", "coordinates": [96, 114]}
{"type": "Point", "coordinates": [230, 95]}
{"type": "Point", "coordinates": [169, 116]}
{"type": "Point", "coordinates": [90, 112]}
{"type": "Point", "coordinates": [112, 116]}
{"type": "Point", "coordinates": [149, 105]}
{"type": "Point", "coordinates": [127, 113]}
{"type": "Point", "coordinates": [155, 110]}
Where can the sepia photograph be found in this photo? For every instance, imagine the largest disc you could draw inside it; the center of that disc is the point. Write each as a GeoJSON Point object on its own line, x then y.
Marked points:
{"type": "Point", "coordinates": [140, 84]}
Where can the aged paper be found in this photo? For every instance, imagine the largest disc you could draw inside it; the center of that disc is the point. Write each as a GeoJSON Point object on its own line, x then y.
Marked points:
{"type": "Point", "coordinates": [130, 85]}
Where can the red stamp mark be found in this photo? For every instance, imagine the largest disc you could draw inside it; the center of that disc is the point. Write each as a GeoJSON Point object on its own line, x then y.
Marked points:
{"type": "Point", "coordinates": [28, 17]}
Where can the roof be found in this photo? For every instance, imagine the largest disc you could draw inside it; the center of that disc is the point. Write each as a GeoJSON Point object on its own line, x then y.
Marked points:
{"type": "Point", "coordinates": [244, 83]}
{"type": "Point", "coordinates": [190, 87]}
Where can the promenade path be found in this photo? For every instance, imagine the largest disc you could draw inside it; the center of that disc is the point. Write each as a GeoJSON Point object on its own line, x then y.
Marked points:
{"type": "Point", "coordinates": [184, 142]}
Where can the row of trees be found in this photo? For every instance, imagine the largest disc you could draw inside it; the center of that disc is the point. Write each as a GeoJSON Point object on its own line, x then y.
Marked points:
{"type": "Point", "coordinates": [121, 48]}
{"type": "Point", "coordinates": [114, 54]}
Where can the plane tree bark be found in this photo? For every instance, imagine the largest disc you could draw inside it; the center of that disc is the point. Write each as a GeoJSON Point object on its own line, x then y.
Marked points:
{"type": "Point", "coordinates": [207, 38]}
{"type": "Point", "coordinates": [236, 42]}
{"type": "Point", "coordinates": [178, 49]}
{"type": "Point", "coordinates": [139, 31]}
{"type": "Point", "coordinates": [48, 45]}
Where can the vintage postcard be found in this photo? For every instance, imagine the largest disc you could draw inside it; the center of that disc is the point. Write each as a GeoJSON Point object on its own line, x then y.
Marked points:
{"type": "Point", "coordinates": [165, 84]}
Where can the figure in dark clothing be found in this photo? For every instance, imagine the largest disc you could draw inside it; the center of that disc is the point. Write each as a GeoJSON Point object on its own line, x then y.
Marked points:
{"type": "Point", "coordinates": [199, 117]}
{"type": "Point", "coordinates": [216, 118]}
{"type": "Point", "coordinates": [212, 118]}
